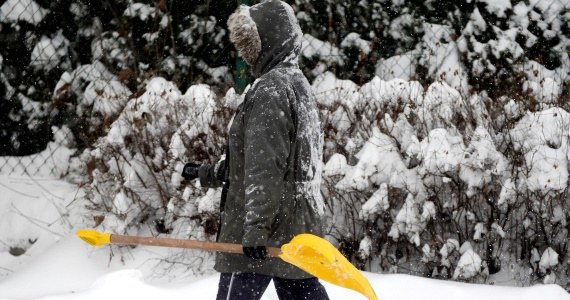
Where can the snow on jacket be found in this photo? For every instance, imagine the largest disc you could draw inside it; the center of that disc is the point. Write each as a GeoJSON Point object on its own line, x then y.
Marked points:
{"type": "Point", "coordinates": [275, 145]}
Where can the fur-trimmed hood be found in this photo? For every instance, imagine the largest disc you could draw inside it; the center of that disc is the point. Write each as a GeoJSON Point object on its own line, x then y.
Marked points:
{"type": "Point", "coordinates": [266, 34]}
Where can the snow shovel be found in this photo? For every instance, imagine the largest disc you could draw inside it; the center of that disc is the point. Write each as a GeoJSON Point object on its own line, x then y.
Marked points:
{"type": "Point", "coordinates": [308, 252]}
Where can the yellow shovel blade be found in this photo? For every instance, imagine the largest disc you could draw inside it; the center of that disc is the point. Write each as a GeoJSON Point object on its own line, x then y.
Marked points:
{"type": "Point", "coordinates": [319, 258]}
{"type": "Point", "coordinates": [93, 237]}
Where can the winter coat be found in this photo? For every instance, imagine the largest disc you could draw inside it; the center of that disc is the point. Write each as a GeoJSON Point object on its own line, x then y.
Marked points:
{"type": "Point", "coordinates": [275, 150]}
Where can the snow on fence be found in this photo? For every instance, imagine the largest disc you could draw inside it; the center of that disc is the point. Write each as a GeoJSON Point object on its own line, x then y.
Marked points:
{"type": "Point", "coordinates": [446, 133]}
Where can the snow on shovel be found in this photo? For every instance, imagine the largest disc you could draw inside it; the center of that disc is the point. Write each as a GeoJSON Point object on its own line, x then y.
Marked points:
{"type": "Point", "coordinates": [308, 252]}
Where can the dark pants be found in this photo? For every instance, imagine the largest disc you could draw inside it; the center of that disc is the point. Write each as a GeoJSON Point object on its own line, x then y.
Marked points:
{"type": "Point", "coordinates": [251, 286]}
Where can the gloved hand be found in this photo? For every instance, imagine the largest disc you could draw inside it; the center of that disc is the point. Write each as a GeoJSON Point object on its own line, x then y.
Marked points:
{"type": "Point", "coordinates": [190, 170]}
{"type": "Point", "coordinates": [256, 252]}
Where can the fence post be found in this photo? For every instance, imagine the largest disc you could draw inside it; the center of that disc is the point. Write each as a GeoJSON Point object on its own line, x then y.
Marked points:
{"type": "Point", "coordinates": [241, 77]}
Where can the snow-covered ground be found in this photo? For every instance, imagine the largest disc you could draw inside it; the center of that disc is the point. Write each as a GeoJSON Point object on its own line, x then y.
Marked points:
{"type": "Point", "coordinates": [60, 266]}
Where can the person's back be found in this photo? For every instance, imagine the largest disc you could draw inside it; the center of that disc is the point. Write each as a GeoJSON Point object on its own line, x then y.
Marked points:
{"type": "Point", "coordinates": [305, 159]}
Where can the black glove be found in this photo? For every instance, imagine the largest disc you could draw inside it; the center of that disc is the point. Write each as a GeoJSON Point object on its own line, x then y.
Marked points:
{"type": "Point", "coordinates": [257, 252]}
{"type": "Point", "coordinates": [190, 170]}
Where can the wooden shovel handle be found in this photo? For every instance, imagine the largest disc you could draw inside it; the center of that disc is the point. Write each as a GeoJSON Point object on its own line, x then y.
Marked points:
{"type": "Point", "coordinates": [190, 244]}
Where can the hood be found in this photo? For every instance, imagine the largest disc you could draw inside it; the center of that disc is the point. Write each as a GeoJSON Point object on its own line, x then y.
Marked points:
{"type": "Point", "coordinates": [267, 34]}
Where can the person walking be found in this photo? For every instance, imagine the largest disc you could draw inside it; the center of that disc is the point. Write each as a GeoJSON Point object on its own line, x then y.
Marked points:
{"type": "Point", "coordinates": [272, 169]}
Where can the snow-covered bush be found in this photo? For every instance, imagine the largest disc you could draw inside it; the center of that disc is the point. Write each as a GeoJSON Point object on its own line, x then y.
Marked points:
{"type": "Point", "coordinates": [444, 184]}
{"type": "Point", "coordinates": [469, 266]}
{"type": "Point", "coordinates": [513, 48]}
{"type": "Point", "coordinates": [135, 183]}
{"type": "Point", "coordinates": [93, 98]}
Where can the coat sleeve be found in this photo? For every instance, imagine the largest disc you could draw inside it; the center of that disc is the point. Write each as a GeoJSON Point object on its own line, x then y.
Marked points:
{"type": "Point", "coordinates": [268, 126]}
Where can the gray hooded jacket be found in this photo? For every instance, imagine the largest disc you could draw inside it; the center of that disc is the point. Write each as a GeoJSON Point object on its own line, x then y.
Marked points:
{"type": "Point", "coordinates": [275, 145]}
